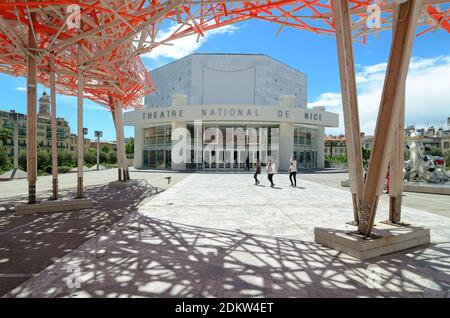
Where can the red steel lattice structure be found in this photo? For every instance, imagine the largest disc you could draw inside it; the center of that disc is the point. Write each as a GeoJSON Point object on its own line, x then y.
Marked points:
{"type": "Point", "coordinates": [113, 33]}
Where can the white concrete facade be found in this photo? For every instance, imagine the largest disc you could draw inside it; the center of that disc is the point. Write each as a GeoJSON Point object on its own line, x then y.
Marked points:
{"type": "Point", "coordinates": [229, 91]}
{"type": "Point", "coordinates": [220, 79]}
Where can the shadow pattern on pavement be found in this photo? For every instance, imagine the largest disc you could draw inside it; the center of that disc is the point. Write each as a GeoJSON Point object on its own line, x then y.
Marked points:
{"type": "Point", "coordinates": [147, 257]}
{"type": "Point", "coordinates": [30, 243]}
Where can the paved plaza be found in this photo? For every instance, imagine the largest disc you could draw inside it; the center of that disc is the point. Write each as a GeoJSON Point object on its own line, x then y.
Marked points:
{"type": "Point", "coordinates": [218, 235]}
{"type": "Point", "coordinates": [30, 243]}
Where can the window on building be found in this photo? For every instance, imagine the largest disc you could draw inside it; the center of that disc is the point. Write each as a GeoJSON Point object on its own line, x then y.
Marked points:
{"type": "Point", "coordinates": [305, 146]}
{"type": "Point", "coordinates": [446, 144]}
{"type": "Point", "coordinates": [157, 147]}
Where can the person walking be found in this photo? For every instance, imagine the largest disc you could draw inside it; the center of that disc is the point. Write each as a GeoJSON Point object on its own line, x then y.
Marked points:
{"type": "Point", "coordinates": [247, 163]}
{"type": "Point", "coordinates": [293, 171]}
{"type": "Point", "coordinates": [257, 171]}
{"type": "Point", "coordinates": [271, 171]}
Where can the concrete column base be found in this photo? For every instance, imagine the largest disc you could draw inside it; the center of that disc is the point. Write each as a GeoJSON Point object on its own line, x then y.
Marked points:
{"type": "Point", "coordinates": [122, 184]}
{"type": "Point", "coordinates": [419, 187]}
{"type": "Point", "coordinates": [53, 206]}
{"type": "Point", "coordinates": [386, 239]}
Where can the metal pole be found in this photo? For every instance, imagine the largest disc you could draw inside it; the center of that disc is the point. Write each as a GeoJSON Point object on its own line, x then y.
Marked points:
{"type": "Point", "coordinates": [98, 152]}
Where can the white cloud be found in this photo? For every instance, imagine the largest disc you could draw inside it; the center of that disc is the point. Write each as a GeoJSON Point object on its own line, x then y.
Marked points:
{"type": "Point", "coordinates": [327, 99]}
{"type": "Point", "coordinates": [427, 94]}
{"type": "Point", "coordinates": [21, 89]}
{"type": "Point", "coordinates": [185, 45]}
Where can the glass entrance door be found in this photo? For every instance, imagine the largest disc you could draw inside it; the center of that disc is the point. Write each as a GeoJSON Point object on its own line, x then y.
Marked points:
{"type": "Point", "coordinates": [236, 147]}
{"type": "Point", "coordinates": [214, 160]}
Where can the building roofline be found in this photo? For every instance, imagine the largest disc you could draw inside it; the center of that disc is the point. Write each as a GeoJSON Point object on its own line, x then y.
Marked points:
{"type": "Point", "coordinates": [249, 54]}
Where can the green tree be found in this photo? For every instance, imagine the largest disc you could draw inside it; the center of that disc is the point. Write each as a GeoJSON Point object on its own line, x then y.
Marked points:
{"type": "Point", "coordinates": [112, 157]}
{"type": "Point", "coordinates": [434, 151]}
{"type": "Point", "coordinates": [5, 162]}
{"type": "Point", "coordinates": [66, 158]}
{"type": "Point", "coordinates": [331, 144]}
{"type": "Point", "coordinates": [5, 134]}
{"type": "Point", "coordinates": [103, 157]}
{"type": "Point", "coordinates": [105, 149]}
{"type": "Point", "coordinates": [23, 159]}
{"type": "Point", "coordinates": [447, 160]}
{"type": "Point", "coordinates": [365, 156]}
{"type": "Point", "coordinates": [43, 159]}
{"type": "Point", "coordinates": [90, 156]}
{"type": "Point", "coordinates": [129, 147]}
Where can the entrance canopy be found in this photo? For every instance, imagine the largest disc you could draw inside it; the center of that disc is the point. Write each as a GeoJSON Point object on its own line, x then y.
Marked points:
{"type": "Point", "coordinates": [113, 33]}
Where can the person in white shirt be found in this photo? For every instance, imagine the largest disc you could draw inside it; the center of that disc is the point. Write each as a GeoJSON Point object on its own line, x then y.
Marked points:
{"type": "Point", "coordinates": [271, 171]}
{"type": "Point", "coordinates": [293, 171]}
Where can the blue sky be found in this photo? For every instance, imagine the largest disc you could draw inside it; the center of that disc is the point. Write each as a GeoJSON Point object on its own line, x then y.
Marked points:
{"type": "Point", "coordinates": [428, 93]}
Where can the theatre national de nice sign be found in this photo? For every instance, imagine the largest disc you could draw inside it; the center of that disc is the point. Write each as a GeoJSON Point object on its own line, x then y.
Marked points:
{"type": "Point", "coordinates": [188, 113]}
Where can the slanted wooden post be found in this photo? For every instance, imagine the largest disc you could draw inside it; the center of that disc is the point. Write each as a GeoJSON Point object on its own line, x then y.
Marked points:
{"type": "Point", "coordinates": [31, 113]}
{"type": "Point", "coordinates": [54, 133]}
{"type": "Point", "coordinates": [405, 26]}
{"type": "Point", "coordinates": [80, 137]}
{"type": "Point", "coordinates": [396, 161]}
{"type": "Point", "coordinates": [349, 102]}
{"type": "Point", "coordinates": [396, 164]}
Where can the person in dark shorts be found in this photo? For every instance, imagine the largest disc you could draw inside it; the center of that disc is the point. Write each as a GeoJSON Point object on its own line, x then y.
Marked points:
{"type": "Point", "coordinates": [271, 171]}
{"type": "Point", "coordinates": [293, 171]}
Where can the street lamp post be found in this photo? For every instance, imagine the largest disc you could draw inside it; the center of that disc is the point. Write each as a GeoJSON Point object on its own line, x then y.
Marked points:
{"type": "Point", "coordinates": [98, 134]}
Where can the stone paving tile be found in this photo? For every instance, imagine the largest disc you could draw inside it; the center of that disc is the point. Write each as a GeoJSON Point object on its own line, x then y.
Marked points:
{"type": "Point", "coordinates": [221, 236]}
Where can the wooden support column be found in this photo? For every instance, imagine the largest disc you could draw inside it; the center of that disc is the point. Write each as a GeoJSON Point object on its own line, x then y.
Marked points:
{"type": "Point", "coordinates": [397, 149]}
{"type": "Point", "coordinates": [113, 112]}
{"type": "Point", "coordinates": [80, 137]}
{"type": "Point", "coordinates": [396, 163]}
{"type": "Point", "coordinates": [54, 135]}
{"type": "Point", "coordinates": [349, 102]}
{"type": "Point", "coordinates": [388, 114]}
{"type": "Point", "coordinates": [121, 154]}
{"type": "Point", "coordinates": [31, 113]}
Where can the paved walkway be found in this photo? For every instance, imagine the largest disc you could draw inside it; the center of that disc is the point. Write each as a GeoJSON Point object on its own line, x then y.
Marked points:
{"type": "Point", "coordinates": [439, 204]}
{"type": "Point", "coordinates": [19, 187]}
{"type": "Point", "coordinates": [222, 236]}
{"type": "Point", "coordinates": [30, 243]}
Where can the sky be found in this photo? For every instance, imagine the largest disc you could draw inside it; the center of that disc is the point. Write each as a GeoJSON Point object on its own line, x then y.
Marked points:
{"type": "Point", "coordinates": [427, 88]}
